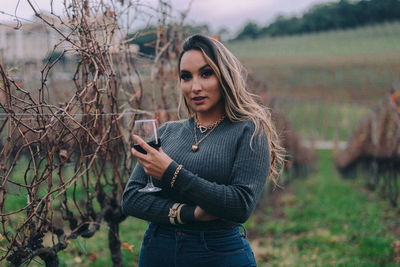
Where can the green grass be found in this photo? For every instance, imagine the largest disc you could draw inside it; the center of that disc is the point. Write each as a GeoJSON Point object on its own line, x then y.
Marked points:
{"type": "Point", "coordinates": [377, 39]}
{"type": "Point", "coordinates": [323, 120]}
{"type": "Point", "coordinates": [83, 252]}
{"type": "Point", "coordinates": [94, 251]}
{"type": "Point", "coordinates": [326, 221]}
{"type": "Point", "coordinates": [327, 80]}
{"type": "Point", "coordinates": [358, 65]}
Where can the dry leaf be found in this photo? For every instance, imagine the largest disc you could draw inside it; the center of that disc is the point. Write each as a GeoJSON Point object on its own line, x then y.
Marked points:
{"type": "Point", "coordinates": [396, 246]}
{"type": "Point", "coordinates": [78, 259]}
{"type": "Point", "coordinates": [127, 246]}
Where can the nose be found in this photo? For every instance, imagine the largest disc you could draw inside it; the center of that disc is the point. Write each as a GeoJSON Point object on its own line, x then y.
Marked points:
{"type": "Point", "coordinates": [196, 86]}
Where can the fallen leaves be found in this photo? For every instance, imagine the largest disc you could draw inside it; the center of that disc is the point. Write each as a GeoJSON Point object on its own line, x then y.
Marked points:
{"type": "Point", "coordinates": [78, 259]}
{"type": "Point", "coordinates": [396, 246]}
{"type": "Point", "coordinates": [127, 246]}
{"type": "Point", "coordinates": [1, 239]}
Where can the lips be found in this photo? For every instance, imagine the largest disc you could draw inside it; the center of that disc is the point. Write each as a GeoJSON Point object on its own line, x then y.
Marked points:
{"type": "Point", "coordinates": [198, 99]}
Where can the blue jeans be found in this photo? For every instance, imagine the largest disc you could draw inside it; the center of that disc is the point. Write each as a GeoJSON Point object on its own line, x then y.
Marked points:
{"type": "Point", "coordinates": [170, 247]}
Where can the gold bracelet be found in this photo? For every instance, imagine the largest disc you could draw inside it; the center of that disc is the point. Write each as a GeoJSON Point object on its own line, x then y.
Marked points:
{"type": "Point", "coordinates": [179, 214]}
{"type": "Point", "coordinates": [173, 212]}
{"type": "Point", "coordinates": [175, 175]}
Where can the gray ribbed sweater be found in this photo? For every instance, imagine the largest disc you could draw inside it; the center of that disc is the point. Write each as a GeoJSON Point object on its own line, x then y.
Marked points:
{"type": "Point", "coordinates": [225, 176]}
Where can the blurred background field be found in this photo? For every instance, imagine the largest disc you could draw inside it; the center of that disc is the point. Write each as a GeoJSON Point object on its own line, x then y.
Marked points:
{"type": "Point", "coordinates": [326, 85]}
{"type": "Point", "coordinates": [324, 92]}
{"type": "Point", "coordinates": [326, 82]}
{"type": "Point", "coordinates": [355, 65]}
{"type": "Point", "coordinates": [321, 220]}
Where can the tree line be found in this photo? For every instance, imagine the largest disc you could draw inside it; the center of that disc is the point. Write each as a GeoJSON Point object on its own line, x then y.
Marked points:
{"type": "Point", "coordinates": [146, 37]}
{"type": "Point", "coordinates": [324, 17]}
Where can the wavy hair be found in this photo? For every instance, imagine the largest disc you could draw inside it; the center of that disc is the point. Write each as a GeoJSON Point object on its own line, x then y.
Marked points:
{"type": "Point", "coordinates": [239, 103]}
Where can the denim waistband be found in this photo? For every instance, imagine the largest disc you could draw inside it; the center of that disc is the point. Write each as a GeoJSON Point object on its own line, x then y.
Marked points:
{"type": "Point", "coordinates": [173, 232]}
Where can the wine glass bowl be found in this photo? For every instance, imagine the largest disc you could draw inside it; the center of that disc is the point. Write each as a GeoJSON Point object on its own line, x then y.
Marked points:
{"type": "Point", "coordinates": [147, 130]}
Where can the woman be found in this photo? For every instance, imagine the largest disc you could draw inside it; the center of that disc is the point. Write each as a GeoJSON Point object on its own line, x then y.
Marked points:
{"type": "Point", "coordinates": [211, 167]}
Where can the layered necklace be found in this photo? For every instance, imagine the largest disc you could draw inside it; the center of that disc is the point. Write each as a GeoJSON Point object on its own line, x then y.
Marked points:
{"type": "Point", "coordinates": [203, 129]}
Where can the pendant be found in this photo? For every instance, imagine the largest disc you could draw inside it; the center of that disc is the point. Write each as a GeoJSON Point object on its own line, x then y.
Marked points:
{"type": "Point", "coordinates": [203, 129]}
{"type": "Point", "coordinates": [195, 148]}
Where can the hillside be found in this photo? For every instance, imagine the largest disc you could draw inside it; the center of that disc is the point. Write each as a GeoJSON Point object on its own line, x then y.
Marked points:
{"type": "Point", "coordinates": [355, 65]}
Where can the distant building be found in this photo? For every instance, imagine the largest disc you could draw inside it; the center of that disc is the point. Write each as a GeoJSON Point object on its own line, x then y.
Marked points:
{"type": "Point", "coordinates": [30, 43]}
{"type": "Point", "coordinates": [33, 41]}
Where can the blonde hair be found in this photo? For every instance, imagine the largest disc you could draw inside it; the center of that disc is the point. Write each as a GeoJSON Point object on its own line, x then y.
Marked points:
{"type": "Point", "coordinates": [240, 104]}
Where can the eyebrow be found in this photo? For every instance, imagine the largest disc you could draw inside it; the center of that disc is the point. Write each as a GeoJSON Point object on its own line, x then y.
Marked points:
{"type": "Point", "coordinates": [201, 68]}
{"type": "Point", "coordinates": [205, 66]}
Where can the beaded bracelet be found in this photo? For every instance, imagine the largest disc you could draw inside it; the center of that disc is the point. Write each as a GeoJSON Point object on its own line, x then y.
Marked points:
{"type": "Point", "coordinates": [175, 175]}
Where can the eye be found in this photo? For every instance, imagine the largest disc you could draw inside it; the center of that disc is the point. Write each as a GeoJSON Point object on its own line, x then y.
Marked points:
{"type": "Point", "coordinates": [207, 73]}
{"type": "Point", "coordinates": [185, 76]}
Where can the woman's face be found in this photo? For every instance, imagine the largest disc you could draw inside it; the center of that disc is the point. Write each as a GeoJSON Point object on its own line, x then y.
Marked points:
{"type": "Point", "coordinates": [200, 85]}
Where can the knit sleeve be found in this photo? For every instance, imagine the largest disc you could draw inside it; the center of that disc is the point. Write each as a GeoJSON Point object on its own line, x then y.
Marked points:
{"type": "Point", "coordinates": [149, 206]}
{"type": "Point", "coordinates": [234, 202]}
{"type": "Point", "coordinates": [145, 206]}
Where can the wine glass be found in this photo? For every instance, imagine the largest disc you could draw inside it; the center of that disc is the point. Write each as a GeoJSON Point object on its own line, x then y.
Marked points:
{"type": "Point", "coordinates": [147, 130]}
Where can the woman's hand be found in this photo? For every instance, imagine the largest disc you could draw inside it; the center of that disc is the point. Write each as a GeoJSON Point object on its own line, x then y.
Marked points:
{"type": "Point", "coordinates": [202, 215]}
{"type": "Point", "coordinates": [155, 162]}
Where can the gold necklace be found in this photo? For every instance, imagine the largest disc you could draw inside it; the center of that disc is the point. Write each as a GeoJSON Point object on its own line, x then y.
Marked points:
{"type": "Point", "coordinates": [195, 147]}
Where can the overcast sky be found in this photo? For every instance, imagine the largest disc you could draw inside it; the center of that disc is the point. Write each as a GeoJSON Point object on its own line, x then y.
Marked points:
{"type": "Point", "coordinates": [231, 14]}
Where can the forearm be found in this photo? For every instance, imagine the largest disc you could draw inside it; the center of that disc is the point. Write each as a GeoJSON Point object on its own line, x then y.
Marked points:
{"type": "Point", "coordinates": [146, 206]}
{"type": "Point", "coordinates": [233, 202]}
{"type": "Point", "coordinates": [150, 207]}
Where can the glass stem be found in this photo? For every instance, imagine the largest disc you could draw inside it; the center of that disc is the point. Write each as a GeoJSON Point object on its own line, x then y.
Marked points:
{"type": "Point", "coordinates": [150, 182]}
